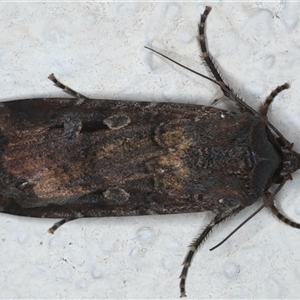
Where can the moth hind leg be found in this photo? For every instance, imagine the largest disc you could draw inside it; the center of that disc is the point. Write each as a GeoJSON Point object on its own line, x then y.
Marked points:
{"type": "Point", "coordinates": [65, 88]}
{"type": "Point", "coordinates": [278, 214]}
{"type": "Point", "coordinates": [196, 243]}
{"type": "Point", "coordinates": [60, 223]}
{"type": "Point", "coordinates": [265, 107]}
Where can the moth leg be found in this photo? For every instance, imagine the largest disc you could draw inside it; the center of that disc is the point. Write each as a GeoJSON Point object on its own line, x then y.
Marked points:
{"type": "Point", "coordinates": [65, 88]}
{"type": "Point", "coordinates": [265, 107]}
{"type": "Point", "coordinates": [196, 243]}
{"type": "Point", "coordinates": [60, 223]}
{"type": "Point", "coordinates": [278, 214]}
{"type": "Point", "coordinates": [202, 40]}
{"type": "Point", "coordinates": [217, 100]}
{"type": "Point", "coordinates": [207, 57]}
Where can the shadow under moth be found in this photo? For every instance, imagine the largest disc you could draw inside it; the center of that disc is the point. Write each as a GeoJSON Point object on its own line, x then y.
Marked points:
{"type": "Point", "coordinates": [77, 157]}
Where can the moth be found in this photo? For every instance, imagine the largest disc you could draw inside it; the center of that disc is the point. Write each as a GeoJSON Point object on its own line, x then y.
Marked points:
{"type": "Point", "coordinates": [77, 157]}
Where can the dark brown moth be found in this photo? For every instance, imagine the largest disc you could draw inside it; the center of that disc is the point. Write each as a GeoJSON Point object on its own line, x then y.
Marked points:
{"type": "Point", "coordinates": [77, 157]}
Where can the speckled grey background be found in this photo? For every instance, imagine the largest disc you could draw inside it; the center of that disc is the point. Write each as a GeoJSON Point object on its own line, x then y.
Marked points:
{"type": "Point", "coordinates": [97, 49]}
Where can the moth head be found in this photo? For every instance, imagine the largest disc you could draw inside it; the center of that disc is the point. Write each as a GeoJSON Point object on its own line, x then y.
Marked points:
{"type": "Point", "coordinates": [290, 161]}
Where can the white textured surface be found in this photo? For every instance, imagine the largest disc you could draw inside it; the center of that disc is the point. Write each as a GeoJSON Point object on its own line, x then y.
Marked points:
{"type": "Point", "coordinates": [97, 49]}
